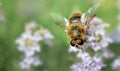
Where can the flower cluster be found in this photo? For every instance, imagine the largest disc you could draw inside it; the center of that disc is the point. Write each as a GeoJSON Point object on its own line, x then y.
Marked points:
{"type": "Point", "coordinates": [98, 42]}
{"type": "Point", "coordinates": [88, 63]}
{"type": "Point", "coordinates": [29, 44]}
{"type": "Point", "coordinates": [97, 35]}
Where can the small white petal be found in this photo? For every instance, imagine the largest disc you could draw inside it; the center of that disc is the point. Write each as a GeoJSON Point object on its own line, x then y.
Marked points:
{"type": "Point", "coordinates": [72, 49]}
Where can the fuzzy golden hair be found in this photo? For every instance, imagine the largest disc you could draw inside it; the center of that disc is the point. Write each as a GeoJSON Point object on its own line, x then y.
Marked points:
{"type": "Point", "coordinates": [80, 34]}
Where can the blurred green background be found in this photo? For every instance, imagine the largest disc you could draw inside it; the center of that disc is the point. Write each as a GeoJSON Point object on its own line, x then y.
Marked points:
{"type": "Point", "coordinates": [57, 58]}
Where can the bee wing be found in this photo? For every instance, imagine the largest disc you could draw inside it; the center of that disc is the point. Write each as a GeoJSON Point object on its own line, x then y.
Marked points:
{"type": "Point", "coordinates": [60, 20]}
{"type": "Point", "coordinates": [89, 14]}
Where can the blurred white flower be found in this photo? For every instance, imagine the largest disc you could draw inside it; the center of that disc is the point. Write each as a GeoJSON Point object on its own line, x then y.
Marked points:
{"type": "Point", "coordinates": [30, 25]}
{"type": "Point", "coordinates": [103, 43]}
{"type": "Point", "coordinates": [115, 35]}
{"type": "Point", "coordinates": [116, 63]}
{"type": "Point", "coordinates": [28, 39]}
{"type": "Point", "coordinates": [28, 43]}
{"type": "Point", "coordinates": [28, 62]}
{"type": "Point", "coordinates": [84, 56]}
{"type": "Point", "coordinates": [73, 49]}
{"type": "Point", "coordinates": [88, 63]}
{"type": "Point", "coordinates": [106, 53]}
{"type": "Point", "coordinates": [97, 36]}
{"type": "Point", "coordinates": [47, 36]}
{"type": "Point", "coordinates": [29, 51]}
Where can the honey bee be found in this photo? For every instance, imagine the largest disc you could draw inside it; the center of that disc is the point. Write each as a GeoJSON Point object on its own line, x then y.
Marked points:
{"type": "Point", "coordinates": [76, 26]}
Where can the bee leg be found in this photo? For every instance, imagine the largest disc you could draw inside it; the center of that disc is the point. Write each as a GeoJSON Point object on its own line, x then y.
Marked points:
{"type": "Point", "coordinates": [90, 18]}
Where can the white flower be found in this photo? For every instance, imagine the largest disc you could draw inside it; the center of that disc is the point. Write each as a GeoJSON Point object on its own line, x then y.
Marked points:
{"type": "Point", "coordinates": [97, 37]}
{"type": "Point", "coordinates": [30, 51]}
{"type": "Point", "coordinates": [28, 38]}
{"type": "Point", "coordinates": [91, 64]}
{"type": "Point", "coordinates": [91, 38]}
{"type": "Point", "coordinates": [24, 65]}
{"type": "Point", "coordinates": [105, 41]}
{"type": "Point", "coordinates": [73, 49]}
{"type": "Point", "coordinates": [115, 35]}
{"type": "Point", "coordinates": [116, 63]}
{"type": "Point", "coordinates": [38, 37]}
{"type": "Point", "coordinates": [30, 61]}
{"type": "Point", "coordinates": [30, 25]}
{"type": "Point", "coordinates": [106, 53]}
{"type": "Point", "coordinates": [47, 36]}
{"type": "Point", "coordinates": [98, 26]}
{"type": "Point", "coordinates": [28, 43]}
{"type": "Point", "coordinates": [95, 46]}
{"type": "Point", "coordinates": [83, 55]}
{"type": "Point", "coordinates": [96, 20]}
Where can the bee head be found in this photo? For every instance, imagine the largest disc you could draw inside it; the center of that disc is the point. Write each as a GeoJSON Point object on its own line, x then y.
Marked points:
{"type": "Point", "coordinates": [77, 42]}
